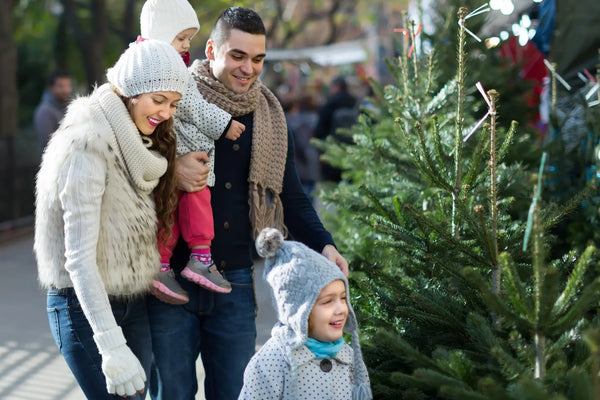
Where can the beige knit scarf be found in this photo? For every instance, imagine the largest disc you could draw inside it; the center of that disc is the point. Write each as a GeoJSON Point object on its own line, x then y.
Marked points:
{"type": "Point", "coordinates": [269, 143]}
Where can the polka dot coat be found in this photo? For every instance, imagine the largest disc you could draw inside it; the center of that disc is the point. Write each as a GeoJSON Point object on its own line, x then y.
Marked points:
{"type": "Point", "coordinates": [268, 376]}
{"type": "Point", "coordinates": [198, 124]}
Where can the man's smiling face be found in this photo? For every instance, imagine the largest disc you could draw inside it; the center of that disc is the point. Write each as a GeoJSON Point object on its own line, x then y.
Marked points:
{"type": "Point", "coordinates": [237, 62]}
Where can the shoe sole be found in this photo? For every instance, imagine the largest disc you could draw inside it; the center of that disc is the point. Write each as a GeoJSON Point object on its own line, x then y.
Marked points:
{"type": "Point", "coordinates": [202, 281]}
{"type": "Point", "coordinates": [162, 292]}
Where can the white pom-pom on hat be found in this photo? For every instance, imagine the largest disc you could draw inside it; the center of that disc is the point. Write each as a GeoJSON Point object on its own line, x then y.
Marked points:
{"type": "Point", "coordinates": [268, 242]}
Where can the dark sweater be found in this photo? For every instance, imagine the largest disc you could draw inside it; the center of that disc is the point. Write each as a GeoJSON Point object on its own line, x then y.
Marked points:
{"type": "Point", "coordinates": [233, 245]}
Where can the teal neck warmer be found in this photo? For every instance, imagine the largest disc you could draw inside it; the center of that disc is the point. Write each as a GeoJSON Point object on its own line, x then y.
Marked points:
{"type": "Point", "coordinates": [324, 349]}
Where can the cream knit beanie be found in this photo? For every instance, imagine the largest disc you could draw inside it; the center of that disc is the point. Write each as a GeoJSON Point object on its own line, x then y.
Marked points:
{"type": "Point", "coordinates": [164, 19]}
{"type": "Point", "coordinates": [149, 66]}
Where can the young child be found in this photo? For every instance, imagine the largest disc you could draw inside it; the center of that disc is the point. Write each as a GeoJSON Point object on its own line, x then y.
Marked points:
{"type": "Point", "coordinates": [306, 356]}
{"type": "Point", "coordinates": [197, 125]}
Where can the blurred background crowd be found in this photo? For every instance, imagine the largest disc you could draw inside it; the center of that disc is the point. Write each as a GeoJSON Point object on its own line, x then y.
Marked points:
{"type": "Point", "coordinates": [320, 57]}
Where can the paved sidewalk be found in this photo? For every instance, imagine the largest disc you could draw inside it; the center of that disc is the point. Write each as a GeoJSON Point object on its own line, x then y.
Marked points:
{"type": "Point", "coordinates": [31, 368]}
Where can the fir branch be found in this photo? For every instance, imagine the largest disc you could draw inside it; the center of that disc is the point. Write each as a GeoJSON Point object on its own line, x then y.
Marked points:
{"type": "Point", "coordinates": [451, 392]}
{"type": "Point", "coordinates": [486, 238]}
{"type": "Point", "coordinates": [588, 298]}
{"type": "Point", "coordinates": [550, 287]}
{"type": "Point", "coordinates": [398, 210]}
{"type": "Point", "coordinates": [439, 307]}
{"type": "Point", "coordinates": [574, 281]}
{"type": "Point", "coordinates": [431, 170]}
{"type": "Point", "coordinates": [393, 68]}
{"type": "Point", "coordinates": [511, 367]}
{"type": "Point", "coordinates": [381, 223]}
{"type": "Point", "coordinates": [507, 141]}
{"type": "Point", "coordinates": [538, 261]}
{"type": "Point", "coordinates": [563, 341]}
{"type": "Point", "coordinates": [493, 301]}
{"type": "Point", "coordinates": [492, 389]}
{"type": "Point", "coordinates": [476, 160]}
{"type": "Point", "coordinates": [407, 381]}
{"type": "Point", "coordinates": [424, 317]}
{"type": "Point", "coordinates": [437, 142]}
{"type": "Point", "coordinates": [496, 271]}
{"type": "Point", "coordinates": [437, 379]}
{"type": "Point", "coordinates": [581, 387]}
{"type": "Point", "coordinates": [448, 238]}
{"type": "Point", "coordinates": [430, 65]}
{"type": "Point", "coordinates": [403, 59]}
{"type": "Point", "coordinates": [458, 136]}
{"type": "Point", "coordinates": [375, 201]}
{"type": "Point", "coordinates": [552, 219]}
{"type": "Point", "coordinates": [413, 38]}
{"type": "Point", "coordinates": [395, 344]}
{"type": "Point", "coordinates": [514, 287]}
{"type": "Point", "coordinates": [416, 158]}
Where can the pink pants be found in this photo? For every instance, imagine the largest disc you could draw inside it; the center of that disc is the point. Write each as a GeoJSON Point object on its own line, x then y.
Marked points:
{"type": "Point", "coordinates": [193, 220]}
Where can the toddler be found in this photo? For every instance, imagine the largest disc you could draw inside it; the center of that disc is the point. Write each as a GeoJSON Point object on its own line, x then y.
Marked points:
{"type": "Point", "coordinates": [197, 125]}
{"type": "Point", "coordinates": [306, 356]}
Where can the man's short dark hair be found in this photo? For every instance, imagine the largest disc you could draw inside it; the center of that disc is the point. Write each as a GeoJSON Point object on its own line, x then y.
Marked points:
{"type": "Point", "coordinates": [240, 18]}
{"type": "Point", "coordinates": [340, 82]}
{"type": "Point", "coordinates": [56, 75]}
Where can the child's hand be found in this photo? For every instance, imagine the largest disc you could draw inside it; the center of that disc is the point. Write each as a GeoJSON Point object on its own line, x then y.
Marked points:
{"type": "Point", "coordinates": [235, 130]}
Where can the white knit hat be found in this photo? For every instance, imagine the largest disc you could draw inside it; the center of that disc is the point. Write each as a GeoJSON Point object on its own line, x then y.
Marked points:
{"type": "Point", "coordinates": [297, 275]}
{"type": "Point", "coordinates": [149, 66]}
{"type": "Point", "coordinates": [165, 19]}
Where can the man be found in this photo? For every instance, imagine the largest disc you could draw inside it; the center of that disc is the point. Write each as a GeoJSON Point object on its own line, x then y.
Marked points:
{"type": "Point", "coordinates": [339, 111]}
{"type": "Point", "coordinates": [51, 110]}
{"type": "Point", "coordinates": [256, 186]}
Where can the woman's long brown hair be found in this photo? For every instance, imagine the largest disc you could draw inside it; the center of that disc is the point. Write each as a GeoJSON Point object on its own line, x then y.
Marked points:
{"type": "Point", "coordinates": [164, 142]}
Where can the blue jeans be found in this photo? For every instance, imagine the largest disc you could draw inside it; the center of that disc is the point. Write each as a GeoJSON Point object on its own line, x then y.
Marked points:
{"type": "Point", "coordinates": [219, 327]}
{"type": "Point", "coordinates": [74, 337]}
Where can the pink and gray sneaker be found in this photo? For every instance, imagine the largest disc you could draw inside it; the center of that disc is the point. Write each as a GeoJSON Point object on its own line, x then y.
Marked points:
{"type": "Point", "coordinates": [166, 288]}
{"type": "Point", "coordinates": [206, 275]}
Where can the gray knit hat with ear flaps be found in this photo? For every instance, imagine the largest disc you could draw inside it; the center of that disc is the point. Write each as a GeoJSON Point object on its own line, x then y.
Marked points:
{"type": "Point", "coordinates": [297, 275]}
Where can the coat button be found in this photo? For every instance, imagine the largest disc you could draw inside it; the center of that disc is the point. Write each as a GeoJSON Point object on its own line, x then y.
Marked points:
{"type": "Point", "coordinates": [227, 185]}
{"type": "Point", "coordinates": [222, 264]}
{"type": "Point", "coordinates": [226, 225]}
{"type": "Point", "coordinates": [236, 147]}
{"type": "Point", "coordinates": [326, 365]}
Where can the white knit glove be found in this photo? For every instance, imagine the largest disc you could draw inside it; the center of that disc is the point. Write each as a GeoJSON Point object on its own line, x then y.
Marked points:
{"type": "Point", "coordinates": [123, 372]}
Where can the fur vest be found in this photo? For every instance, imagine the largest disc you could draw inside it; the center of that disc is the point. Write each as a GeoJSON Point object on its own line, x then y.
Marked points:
{"type": "Point", "coordinates": [109, 234]}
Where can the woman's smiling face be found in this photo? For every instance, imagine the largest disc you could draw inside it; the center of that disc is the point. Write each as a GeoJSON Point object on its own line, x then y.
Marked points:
{"type": "Point", "coordinates": [150, 109]}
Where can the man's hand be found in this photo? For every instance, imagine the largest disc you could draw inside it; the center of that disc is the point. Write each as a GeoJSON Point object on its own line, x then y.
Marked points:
{"type": "Point", "coordinates": [191, 171]}
{"type": "Point", "coordinates": [331, 253]}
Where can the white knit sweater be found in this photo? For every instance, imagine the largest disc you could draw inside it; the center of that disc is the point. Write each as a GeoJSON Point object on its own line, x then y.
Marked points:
{"type": "Point", "coordinates": [95, 217]}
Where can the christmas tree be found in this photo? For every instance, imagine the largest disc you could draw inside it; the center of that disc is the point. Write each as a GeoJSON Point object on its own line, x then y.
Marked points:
{"type": "Point", "coordinates": [449, 236]}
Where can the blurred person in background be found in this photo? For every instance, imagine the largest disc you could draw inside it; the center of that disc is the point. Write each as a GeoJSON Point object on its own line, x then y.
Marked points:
{"type": "Point", "coordinates": [52, 107]}
{"type": "Point", "coordinates": [302, 119]}
{"type": "Point", "coordinates": [338, 111]}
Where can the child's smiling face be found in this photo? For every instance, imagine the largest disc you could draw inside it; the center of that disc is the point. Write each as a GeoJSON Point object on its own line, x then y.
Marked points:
{"type": "Point", "coordinates": [182, 41]}
{"type": "Point", "coordinates": [329, 314]}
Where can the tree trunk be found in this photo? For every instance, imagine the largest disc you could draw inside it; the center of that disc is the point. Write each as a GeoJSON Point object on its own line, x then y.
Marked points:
{"type": "Point", "coordinates": [9, 102]}
{"type": "Point", "coordinates": [91, 43]}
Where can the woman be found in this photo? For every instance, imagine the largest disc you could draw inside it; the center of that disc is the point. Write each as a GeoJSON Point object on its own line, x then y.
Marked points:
{"type": "Point", "coordinates": [105, 177]}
